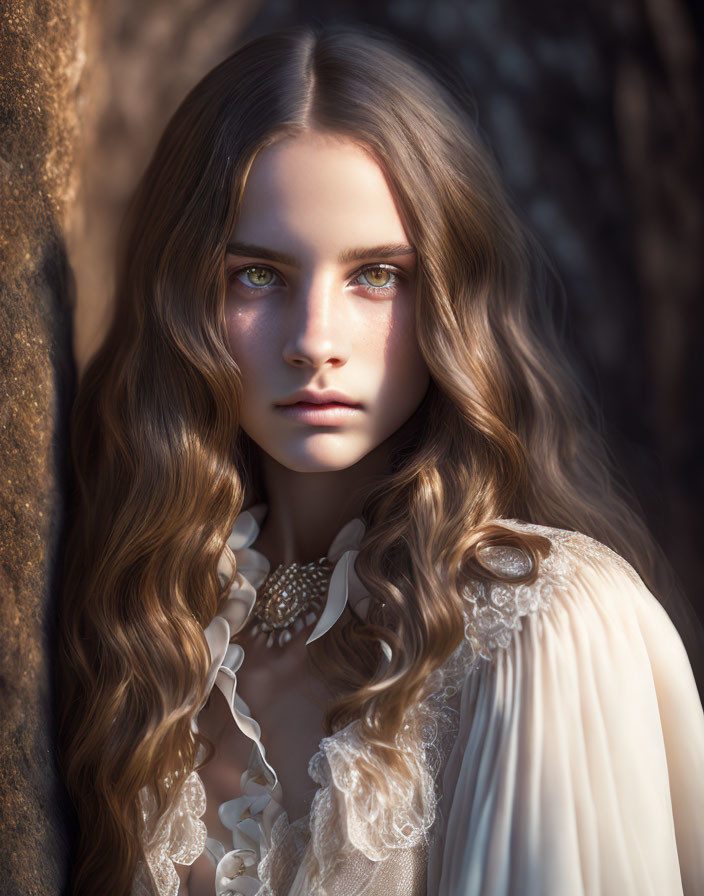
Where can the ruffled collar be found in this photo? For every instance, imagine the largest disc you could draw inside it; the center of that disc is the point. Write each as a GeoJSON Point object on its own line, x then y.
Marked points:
{"type": "Point", "coordinates": [251, 817]}
{"type": "Point", "coordinates": [253, 567]}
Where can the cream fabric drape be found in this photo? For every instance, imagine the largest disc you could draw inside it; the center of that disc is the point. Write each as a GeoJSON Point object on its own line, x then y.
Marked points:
{"type": "Point", "coordinates": [566, 738]}
{"type": "Point", "coordinates": [579, 765]}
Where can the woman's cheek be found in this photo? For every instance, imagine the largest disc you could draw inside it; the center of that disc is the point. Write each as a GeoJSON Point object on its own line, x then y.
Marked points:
{"type": "Point", "coordinates": [249, 336]}
{"type": "Point", "coordinates": [401, 350]}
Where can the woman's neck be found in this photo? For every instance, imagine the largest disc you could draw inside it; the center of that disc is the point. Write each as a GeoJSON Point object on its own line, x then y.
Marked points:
{"type": "Point", "coordinates": [307, 510]}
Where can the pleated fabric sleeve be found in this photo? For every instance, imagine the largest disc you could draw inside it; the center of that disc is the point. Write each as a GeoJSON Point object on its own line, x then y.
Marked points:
{"type": "Point", "coordinates": [579, 765]}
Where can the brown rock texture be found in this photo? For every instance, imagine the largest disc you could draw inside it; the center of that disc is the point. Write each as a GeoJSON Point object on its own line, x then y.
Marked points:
{"type": "Point", "coordinates": [41, 63]}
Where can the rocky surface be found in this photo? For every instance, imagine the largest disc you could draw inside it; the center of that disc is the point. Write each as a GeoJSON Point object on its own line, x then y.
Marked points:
{"type": "Point", "coordinates": [41, 62]}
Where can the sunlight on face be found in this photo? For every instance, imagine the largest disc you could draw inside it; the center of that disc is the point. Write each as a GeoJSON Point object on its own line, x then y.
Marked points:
{"type": "Point", "coordinates": [307, 310]}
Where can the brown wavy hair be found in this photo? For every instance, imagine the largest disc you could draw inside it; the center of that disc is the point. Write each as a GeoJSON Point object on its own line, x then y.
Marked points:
{"type": "Point", "coordinates": [161, 467]}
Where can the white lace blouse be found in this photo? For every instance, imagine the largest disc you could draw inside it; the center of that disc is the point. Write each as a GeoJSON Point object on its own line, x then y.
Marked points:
{"type": "Point", "coordinates": [563, 757]}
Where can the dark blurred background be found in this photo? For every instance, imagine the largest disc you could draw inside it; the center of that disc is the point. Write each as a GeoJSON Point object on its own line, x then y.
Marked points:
{"type": "Point", "coordinates": [594, 111]}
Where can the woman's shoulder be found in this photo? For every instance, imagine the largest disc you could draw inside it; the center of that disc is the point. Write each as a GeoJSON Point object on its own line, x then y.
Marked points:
{"type": "Point", "coordinates": [570, 548]}
{"type": "Point", "coordinates": [577, 571]}
{"type": "Point", "coordinates": [584, 717]}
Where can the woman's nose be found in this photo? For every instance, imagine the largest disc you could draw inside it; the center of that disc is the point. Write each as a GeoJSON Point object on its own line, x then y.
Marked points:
{"type": "Point", "coordinates": [316, 332]}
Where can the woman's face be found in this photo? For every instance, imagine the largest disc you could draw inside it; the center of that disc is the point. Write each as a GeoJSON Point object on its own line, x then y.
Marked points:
{"type": "Point", "coordinates": [320, 300]}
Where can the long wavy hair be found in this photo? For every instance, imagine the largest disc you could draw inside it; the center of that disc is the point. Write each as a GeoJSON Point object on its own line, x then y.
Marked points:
{"type": "Point", "coordinates": [161, 467]}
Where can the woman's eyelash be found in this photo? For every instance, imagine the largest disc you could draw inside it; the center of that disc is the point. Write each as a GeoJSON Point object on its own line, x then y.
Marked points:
{"type": "Point", "coordinates": [396, 276]}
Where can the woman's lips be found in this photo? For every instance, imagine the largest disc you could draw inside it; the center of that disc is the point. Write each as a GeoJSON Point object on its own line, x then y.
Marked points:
{"type": "Point", "coordinates": [327, 414]}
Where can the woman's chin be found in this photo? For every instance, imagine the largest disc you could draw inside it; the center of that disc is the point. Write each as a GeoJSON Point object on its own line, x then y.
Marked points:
{"type": "Point", "coordinates": [336, 453]}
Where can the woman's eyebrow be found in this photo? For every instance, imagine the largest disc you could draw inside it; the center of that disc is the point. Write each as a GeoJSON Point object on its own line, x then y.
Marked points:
{"type": "Point", "coordinates": [377, 251]}
{"type": "Point", "coordinates": [345, 257]}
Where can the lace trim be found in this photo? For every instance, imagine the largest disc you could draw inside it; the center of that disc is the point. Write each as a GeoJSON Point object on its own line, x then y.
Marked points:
{"type": "Point", "coordinates": [493, 610]}
{"type": "Point", "coordinates": [179, 836]}
{"type": "Point", "coordinates": [349, 816]}
{"type": "Point", "coordinates": [346, 814]}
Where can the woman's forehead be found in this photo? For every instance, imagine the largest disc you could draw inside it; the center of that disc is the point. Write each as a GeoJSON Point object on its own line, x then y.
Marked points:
{"type": "Point", "coordinates": [317, 190]}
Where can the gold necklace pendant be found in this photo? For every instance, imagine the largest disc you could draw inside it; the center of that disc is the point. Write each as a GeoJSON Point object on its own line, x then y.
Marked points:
{"type": "Point", "coordinates": [289, 598]}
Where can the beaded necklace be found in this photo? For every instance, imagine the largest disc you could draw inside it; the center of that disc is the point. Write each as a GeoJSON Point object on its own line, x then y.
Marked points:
{"type": "Point", "coordinates": [281, 602]}
{"type": "Point", "coordinates": [291, 597]}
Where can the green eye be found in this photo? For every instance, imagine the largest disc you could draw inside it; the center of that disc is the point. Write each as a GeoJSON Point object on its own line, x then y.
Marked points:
{"type": "Point", "coordinates": [254, 277]}
{"type": "Point", "coordinates": [258, 276]}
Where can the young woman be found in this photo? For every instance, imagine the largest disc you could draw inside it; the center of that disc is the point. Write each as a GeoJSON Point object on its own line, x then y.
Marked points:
{"type": "Point", "coordinates": [352, 603]}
